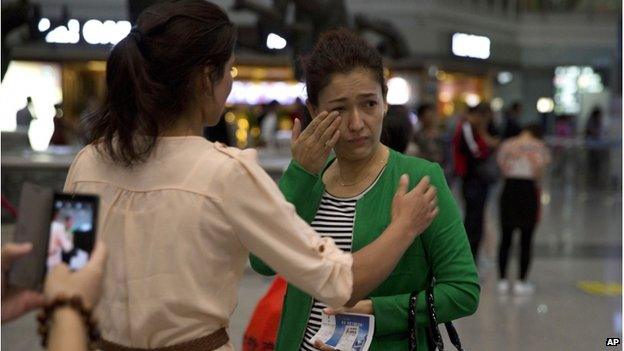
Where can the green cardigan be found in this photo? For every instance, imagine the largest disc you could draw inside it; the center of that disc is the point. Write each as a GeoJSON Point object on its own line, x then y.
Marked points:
{"type": "Point", "coordinates": [456, 289]}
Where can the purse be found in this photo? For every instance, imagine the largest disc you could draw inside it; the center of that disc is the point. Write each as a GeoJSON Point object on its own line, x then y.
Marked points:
{"type": "Point", "coordinates": [434, 338]}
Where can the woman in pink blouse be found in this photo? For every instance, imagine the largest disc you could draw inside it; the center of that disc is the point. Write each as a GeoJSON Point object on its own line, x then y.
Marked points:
{"type": "Point", "coordinates": [179, 214]}
{"type": "Point", "coordinates": [522, 160]}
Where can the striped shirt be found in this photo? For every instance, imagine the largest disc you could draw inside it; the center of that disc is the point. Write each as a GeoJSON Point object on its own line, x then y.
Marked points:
{"type": "Point", "coordinates": [334, 219]}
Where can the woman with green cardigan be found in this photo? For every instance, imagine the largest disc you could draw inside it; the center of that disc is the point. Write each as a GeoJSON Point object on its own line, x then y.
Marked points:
{"type": "Point", "coordinates": [349, 198]}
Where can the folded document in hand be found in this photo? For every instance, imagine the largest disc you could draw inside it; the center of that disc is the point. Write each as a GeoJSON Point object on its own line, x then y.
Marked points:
{"type": "Point", "coordinates": [346, 332]}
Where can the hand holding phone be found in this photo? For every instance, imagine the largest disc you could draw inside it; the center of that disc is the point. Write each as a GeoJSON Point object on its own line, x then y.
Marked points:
{"type": "Point", "coordinates": [85, 283]}
{"type": "Point", "coordinates": [61, 228]}
{"type": "Point", "coordinates": [16, 301]}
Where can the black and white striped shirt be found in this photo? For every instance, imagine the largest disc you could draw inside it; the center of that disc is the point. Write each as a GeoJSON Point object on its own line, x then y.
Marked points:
{"type": "Point", "coordinates": [334, 219]}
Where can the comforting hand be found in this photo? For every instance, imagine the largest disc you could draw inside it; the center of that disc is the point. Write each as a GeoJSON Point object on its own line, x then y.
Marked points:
{"type": "Point", "coordinates": [16, 302]}
{"type": "Point", "coordinates": [414, 210]}
{"type": "Point", "coordinates": [311, 147]}
{"type": "Point", "coordinates": [85, 283]}
{"type": "Point", "coordinates": [362, 307]}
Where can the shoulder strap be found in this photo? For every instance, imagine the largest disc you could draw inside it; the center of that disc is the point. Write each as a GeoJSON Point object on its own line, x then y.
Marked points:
{"type": "Point", "coordinates": [434, 336]}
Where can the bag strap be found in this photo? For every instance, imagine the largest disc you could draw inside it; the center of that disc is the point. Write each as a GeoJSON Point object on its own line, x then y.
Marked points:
{"type": "Point", "coordinates": [435, 337]}
{"type": "Point", "coordinates": [411, 322]}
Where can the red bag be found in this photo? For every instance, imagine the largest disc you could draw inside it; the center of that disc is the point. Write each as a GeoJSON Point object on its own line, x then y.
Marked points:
{"type": "Point", "coordinates": [262, 329]}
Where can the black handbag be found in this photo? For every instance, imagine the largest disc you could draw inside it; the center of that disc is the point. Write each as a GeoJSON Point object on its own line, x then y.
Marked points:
{"type": "Point", "coordinates": [434, 338]}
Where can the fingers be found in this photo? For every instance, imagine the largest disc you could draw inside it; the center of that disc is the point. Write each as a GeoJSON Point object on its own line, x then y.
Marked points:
{"type": "Point", "coordinates": [333, 311]}
{"type": "Point", "coordinates": [30, 299]}
{"type": "Point", "coordinates": [423, 185]}
{"type": "Point", "coordinates": [16, 303]}
{"type": "Point", "coordinates": [98, 258]}
{"type": "Point", "coordinates": [328, 122]}
{"type": "Point", "coordinates": [332, 142]}
{"type": "Point", "coordinates": [402, 189]}
{"type": "Point", "coordinates": [322, 346]}
{"type": "Point", "coordinates": [434, 213]}
{"type": "Point", "coordinates": [314, 124]}
{"type": "Point", "coordinates": [320, 124]}
{"type": "Point", "coordinates": [430, 194]}
{"type": "Point", "coordinates": [329, 132]}
{"type": "Point", "coordinates": [296, 131]}
{"type": "Point", "coordinates": [60, 269]}
{"type": "Point", "coordinates": [13, 251]}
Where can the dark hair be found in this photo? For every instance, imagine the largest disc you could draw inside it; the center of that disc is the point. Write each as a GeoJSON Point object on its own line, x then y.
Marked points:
{"type": "Point", "coordinates": [483, 109]}
{"type": "Point", "coordinates": [515, 106]}
{"type": "Point", "coordinates": [151, 75]}
{"type": "Point", "coordinates": [422, 109]}
{"type": "Point", "coordinates": [340, 51]}
{"type": "Point", "coordinates": [396, 131]}
{"type": "Point", "coordinates": [596, 112]}
{"type": "Point", "coordinates": [28, 100]}
{"type": "Point", "coordinates": [535, 129]}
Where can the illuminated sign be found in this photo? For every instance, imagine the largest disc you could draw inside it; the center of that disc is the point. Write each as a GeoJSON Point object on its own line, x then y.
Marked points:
{"type": "Point", "coordinates": [255, 93]}
{"type": "Point", "coordinates": [468, 45]}
{"type": "Point", "coordinates": [93, 32]}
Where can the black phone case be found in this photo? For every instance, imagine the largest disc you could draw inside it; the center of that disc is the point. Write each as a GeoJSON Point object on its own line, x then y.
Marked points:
{"type": "Point", "coordinates": [33, 225]}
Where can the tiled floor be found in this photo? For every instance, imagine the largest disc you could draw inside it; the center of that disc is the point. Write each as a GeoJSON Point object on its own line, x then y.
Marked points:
{"type": "Point", "coordinates": [578, 241]}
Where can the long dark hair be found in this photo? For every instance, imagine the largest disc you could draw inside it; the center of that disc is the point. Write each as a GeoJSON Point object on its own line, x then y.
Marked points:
{"type": "Point", "coordinates": [151, 75]}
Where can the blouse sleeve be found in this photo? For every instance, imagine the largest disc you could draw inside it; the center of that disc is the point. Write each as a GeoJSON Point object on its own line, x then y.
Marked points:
{"type": "Point", "coordinates": [268, 226]}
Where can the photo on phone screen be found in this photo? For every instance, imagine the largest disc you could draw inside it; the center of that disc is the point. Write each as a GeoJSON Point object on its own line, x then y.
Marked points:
{"type": "Point", "coordinates": [72, 230]}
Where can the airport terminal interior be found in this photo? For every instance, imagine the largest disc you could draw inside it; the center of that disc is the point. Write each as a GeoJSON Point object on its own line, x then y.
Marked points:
{"type": "Point", "coordinates": [552, 65]}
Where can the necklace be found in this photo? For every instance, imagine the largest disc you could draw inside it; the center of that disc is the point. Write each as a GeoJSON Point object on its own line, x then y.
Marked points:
{"type": "Point", "coordinates": [383, 162]}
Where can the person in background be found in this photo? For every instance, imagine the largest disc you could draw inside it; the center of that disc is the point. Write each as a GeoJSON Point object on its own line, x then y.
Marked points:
{"type": "Point", "coordinates": [63, 128]}
{"type": "Point", "coordinates": [522, 160]}
{"type": "Point", "coordinates": [396, 130]}
{"type": "Point", "coordinates": [427, 142]}
{"type": "Point", "coordinates": [564, 132]}
{"type": "Point", "coordinates": [268, 125]}
{"type": "Point", "coordinates": [511, 121]}
{"type": "Point", "coordinates": [25, 116]}
{"type": "Point", "coordinates": [595, 155]}
{"type": "Point", "coordinates": [67, 330]}
{"type": "Point", "coordinates": [473, 145]}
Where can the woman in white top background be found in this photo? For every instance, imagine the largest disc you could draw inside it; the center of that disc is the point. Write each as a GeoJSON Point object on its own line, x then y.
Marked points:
{"type": "Point", "coordinates": [522, 160]}
{"type": "Point", "coordinates": [180, 214]}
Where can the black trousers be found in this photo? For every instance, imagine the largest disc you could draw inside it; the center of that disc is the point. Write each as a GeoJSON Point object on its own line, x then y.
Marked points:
{"type": "Point", "coordinates": [475, 192]}
{"type": "Point", "coordinates": [519, 208]}
{"type": "Point", "coordinates": [526, 245]}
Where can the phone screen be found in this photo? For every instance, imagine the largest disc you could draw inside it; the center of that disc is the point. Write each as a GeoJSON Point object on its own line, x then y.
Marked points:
{"type": "Point", "coordinates": [71, 235]}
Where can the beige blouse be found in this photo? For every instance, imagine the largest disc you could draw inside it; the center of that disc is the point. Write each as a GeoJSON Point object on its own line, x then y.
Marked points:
{"type": "Point", "coordinates": [179, 229]}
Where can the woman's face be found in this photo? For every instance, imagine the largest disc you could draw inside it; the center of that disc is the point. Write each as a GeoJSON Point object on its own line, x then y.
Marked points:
{"type": "Point", "coordinates": [220, 91]}
{"type": "Point", "coordinates": [358, 97]}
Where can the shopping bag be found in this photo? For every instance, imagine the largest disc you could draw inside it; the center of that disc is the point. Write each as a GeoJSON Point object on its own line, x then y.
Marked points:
{"type": "Point", "coordinates": [262, 329]}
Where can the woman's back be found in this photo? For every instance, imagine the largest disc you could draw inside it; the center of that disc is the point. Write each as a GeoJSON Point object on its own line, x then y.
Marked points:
{"type": "Point", "coordinates": [156, 219]}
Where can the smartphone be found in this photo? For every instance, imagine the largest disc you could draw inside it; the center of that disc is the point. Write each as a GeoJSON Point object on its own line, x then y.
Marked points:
{"type": "Point", "coordinates": [71, 236]}
{"type": "Point", "coordinates": [61, 227]}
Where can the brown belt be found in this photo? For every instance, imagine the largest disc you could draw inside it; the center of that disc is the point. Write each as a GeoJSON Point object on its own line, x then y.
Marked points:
{"type": "Point", "coordinates": [206, 343]}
